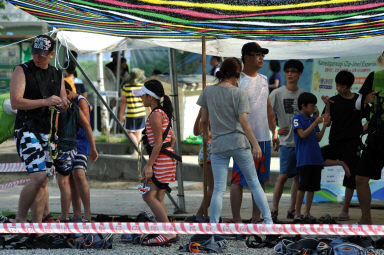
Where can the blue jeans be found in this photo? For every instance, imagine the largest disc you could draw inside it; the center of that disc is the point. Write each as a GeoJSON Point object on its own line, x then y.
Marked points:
{"type": "Point", "coordinates": [220, 164]}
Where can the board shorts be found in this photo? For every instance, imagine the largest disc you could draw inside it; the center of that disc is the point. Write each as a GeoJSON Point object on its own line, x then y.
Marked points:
{"type": "Point", "coordinates": [34, 152]}
{"type": "Point", "coordinates": [80, 162]}
{"type": "Point", "coordinates": [201, 155]}
{"type": "Point", "coordinates": [65, 161]}
{"type": "Point", "coordinates": [262, 166]}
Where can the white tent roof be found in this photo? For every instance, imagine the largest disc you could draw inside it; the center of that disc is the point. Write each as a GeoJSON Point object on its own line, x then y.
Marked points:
{"type": "Point", "coordinates": [82, 42]}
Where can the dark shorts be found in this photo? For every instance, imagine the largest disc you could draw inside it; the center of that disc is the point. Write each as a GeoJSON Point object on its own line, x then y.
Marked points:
{"type": "Point", "coordinates": [372, 159]}
{"type": "Point", "coordinates": [65, 161]}
{"type": "Point", "coordinates": [349, 152]}
{"type": "Point", "coordinates": [262, 166]}
{"type": "Point", "coordinates": [309, 177]}
{"type": "Point", "coordinates": [160, 185]}
{"type": "Point", "coordinates": [135, 124]}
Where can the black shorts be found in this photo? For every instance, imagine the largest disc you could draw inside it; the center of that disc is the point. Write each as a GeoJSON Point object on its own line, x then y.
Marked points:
{"type": "Point", "coordinates": [349, 152]}
{"type": "Point", "coordinates": [372, 159]}
{"type": "Point", "coordinates": [161, 185]}
{"type": "Point", "coordinates": [309, 177]}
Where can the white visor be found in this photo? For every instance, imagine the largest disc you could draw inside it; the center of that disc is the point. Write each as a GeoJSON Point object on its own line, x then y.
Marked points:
{"type": "Point", "coordinates": [143, 91]}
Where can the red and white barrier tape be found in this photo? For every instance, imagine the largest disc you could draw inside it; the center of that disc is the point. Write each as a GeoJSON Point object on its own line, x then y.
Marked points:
{"type": "Point", "coordinates": [11, 184]}
{"type": "Point", "coordinates": [192, 228]}
{"type": "Point", "coordinates": [12, 167]}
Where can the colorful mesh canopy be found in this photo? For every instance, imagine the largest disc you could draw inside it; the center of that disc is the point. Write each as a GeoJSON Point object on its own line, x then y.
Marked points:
{"type": "Point", "coordinates": [271, 20]}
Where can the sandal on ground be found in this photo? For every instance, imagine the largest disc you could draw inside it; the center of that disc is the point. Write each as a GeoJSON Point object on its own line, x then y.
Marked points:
{"type": "Point", "coordinates": [160, 240]}
{"type": "Point", "coordinates": [298, 219]}
{"type": "Point", "coordinates": [291, 214]}
{"type": "Point", "coordinates": [343, 216]}
{"type": "Point", "coordinates": [274, 215]}
{"type": "Point", "coordinates": [309, 218]}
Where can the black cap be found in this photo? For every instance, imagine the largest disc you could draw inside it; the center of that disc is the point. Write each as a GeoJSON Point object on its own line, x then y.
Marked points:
{"type": "Point", "coordinates": [43, 45]}
{"type": "Point", "coordinates": [253, 47]}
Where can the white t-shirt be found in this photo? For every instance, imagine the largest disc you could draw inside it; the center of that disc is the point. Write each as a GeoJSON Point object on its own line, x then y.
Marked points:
{"type": "Point", "coordinates": [284, 102]}
{"type": "Point", "coordinates": [258, 91]}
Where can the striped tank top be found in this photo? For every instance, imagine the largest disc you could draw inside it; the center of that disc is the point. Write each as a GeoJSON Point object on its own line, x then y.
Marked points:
{"type": "Point", "coordinates": [164, 168]}
{"type": "Point", "coordinates": [135, 107]}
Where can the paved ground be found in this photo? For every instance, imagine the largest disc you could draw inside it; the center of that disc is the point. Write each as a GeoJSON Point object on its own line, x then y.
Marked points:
{"type": "Point", "coordinates": [129, 202]}
{"type": "Point", "coordinates": [122, 198]}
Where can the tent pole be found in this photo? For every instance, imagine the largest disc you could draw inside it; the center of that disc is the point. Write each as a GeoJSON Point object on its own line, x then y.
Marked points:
{"type": "Point", "coordinates": [116, 120]}
{"type": "Point", "coordinates": [176, 124]}
{"type": "Point", "coordinates": [204, 79]}
{"type": "Point", "coordinates": [118, 67]}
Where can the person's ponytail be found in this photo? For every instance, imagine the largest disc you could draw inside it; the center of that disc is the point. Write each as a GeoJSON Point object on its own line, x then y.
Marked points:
{"type": "Point", "coordinates": [165, 102]}
{"type": "Point", "coordinates": [167, 107]}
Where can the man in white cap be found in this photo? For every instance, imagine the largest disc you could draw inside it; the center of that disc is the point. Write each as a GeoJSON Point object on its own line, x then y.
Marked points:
{"type": "Point", "coordinates": [35, 87]}
{"type": "Point", "coordinates": [372, 158]}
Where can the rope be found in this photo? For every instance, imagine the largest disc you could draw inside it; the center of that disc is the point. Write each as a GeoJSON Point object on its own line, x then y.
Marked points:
{"type": "Point", "coordinates": [51, 153]}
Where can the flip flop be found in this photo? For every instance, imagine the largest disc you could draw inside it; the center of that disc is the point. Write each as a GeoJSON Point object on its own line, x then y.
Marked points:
{"type": "Point", "coordinates": [160, 240]}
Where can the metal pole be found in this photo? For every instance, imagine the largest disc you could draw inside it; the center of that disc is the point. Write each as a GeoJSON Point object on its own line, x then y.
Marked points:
{"type": "Point", "coordinates": [118, 67]}
{"type": "Point", "coordinates": [118, 74]}
{"type": "Point", "coordinates": [100, 78]}
{"type": "Point", "coordinates": [115, 118]}
{"type": "Point", "coordinates": [96, 131]}
{"type": "Point", "coordinates": [205, 170]}
{"type": "Point", "coordinates": [176, 130]}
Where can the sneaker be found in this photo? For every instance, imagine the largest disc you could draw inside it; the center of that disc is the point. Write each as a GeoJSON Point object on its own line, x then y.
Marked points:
{"type": "Point", "coordinates": [291, 214]}
{"type": "Point", "coordinates": [274, 215]}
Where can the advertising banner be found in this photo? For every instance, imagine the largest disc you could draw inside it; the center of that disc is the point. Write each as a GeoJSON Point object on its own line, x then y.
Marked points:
{"type": "Point", "coordinates": [332, 189]}
{"type": "Point", "coordinates": [323, 83]}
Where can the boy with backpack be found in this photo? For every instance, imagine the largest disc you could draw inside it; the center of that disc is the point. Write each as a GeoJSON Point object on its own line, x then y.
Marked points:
{"type": "Point", "coordinates": [344, 136]}
{"type": "Point", "coordinates": [308, 154]}
{"type": "Point", "coordinates": [68, 123]}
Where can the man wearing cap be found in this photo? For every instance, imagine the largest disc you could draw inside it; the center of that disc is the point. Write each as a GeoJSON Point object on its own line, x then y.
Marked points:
{"type": "Point", "coordinates": [261, 118]}
{"type": "Point", "coordinates": [35, 87]}
{"type": "Point", "coordinates": [372, 157]}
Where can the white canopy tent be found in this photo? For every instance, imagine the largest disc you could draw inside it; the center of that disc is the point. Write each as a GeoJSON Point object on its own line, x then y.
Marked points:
{"type": "Point", "coordinates": [83, 42]}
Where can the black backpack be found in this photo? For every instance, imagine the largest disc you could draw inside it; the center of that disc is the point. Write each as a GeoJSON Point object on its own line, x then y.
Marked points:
{"type": "Point", "coordinates": [373, 145]}
{"type": "Point", "coordinates": [67, 128]}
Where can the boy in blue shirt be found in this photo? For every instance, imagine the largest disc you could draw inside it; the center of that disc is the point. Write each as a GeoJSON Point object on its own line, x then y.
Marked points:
{"type": "Point", "coordinates": [308, 154]}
